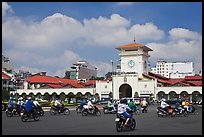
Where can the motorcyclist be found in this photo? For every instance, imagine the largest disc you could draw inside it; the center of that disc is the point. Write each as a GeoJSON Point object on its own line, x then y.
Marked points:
{"type": "Point", "coordinates": [110, 105]}
{"type": "Point", "coordinates": [164, 105]}
{"type": "Point", "coordinates": [178, 106]}
{"type": "Point", "coordinates": [131, 104]}
{"type": "Point", "coordinates": [36, 103]}
{"type": "Point", "coordinates": [58, 105]}
{"type": "Point", "coordinates": [90, 106]}
{"type": "Point", "coordinates": [10, 103]}
{"type": "Point", "coordinates": [82, 103]}
{"type": "Point", "coordinates": [21, 103]}
{"type": "Point", "coordinates": [29, 106]}
{"type": "Point", "coordinates": [144, 104]}
{"type": "Point", "coordinates": [123, 108]}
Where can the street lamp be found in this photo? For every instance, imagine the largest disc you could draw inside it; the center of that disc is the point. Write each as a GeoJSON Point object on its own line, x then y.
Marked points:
{"type": "Point", "coordinates": [112, 78]}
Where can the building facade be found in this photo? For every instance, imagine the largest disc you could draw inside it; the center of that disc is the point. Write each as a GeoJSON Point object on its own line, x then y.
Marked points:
{"type": "Point", "coordinates": [82, 70]}
{"type": "Point", "coordinates": [173, 69]}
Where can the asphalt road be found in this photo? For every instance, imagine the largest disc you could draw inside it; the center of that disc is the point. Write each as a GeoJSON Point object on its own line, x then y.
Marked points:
{"type": "Point", "coordinates": [76, 124]}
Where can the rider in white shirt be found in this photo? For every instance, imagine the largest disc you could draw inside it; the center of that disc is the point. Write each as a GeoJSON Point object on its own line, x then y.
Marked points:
{"type": "Point", "coordinates": [164, 105]}
{"type": "Point", "coordinates": [57, 104]}
{"type": "Point", "coordinates": [90, 106]}
{"type": "Point", "coordinates": [122, 109]}
{"type": "Point", "coordinates": [36, 103]}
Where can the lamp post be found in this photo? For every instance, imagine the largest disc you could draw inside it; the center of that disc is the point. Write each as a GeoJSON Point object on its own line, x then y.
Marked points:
{"type": "Point", "coordinates": [112, 78]}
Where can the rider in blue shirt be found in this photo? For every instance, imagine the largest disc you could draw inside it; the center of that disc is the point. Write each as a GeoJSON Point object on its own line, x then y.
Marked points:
{"type": "Point", "coordinates": [29, 105]}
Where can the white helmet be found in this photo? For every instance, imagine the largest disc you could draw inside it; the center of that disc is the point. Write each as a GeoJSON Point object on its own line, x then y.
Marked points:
{"type": "Point", "coordinates": [163, 99]}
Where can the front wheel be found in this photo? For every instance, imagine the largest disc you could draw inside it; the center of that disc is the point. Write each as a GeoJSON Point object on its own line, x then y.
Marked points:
{"type": "Point", "coordinates": [119, 126]}
{"type": "Point", "coordinates": [36, 117]}
{"type": "Point", "coordinates": [133, 124]}
{"type": "Point", "coordinates": [24, 118]}
{"type": "Point", "coordinates": [52, 111]}
{"type": "Point", "coordinates": [66, 111]}
{"type": "Point", "coordinates": [98, 113]}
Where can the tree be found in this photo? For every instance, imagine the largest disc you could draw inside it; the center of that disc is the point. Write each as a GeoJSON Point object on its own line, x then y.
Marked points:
{"type": "Point", "coordinates": [5, 95]}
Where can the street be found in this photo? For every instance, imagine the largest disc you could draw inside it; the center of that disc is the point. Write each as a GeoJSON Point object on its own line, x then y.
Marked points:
{"type": "Point", "coordinates": [76, 124]}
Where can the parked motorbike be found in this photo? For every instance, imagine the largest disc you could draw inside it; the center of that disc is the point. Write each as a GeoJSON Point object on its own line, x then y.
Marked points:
{"type": "Point", "coordinates": [109, 110]}
{"type": "Point", "coordinates": [120, 122]}
{"type": "Point", "coordinates": [87, 111]}
{"type": "Point", "coordinates": [64, 110]}
{"type": "Point", "coordinates": [25, 116]}
{"type": "Point", "coordinates": [14, 111]}
{"type": "Point", "coordinates": [162, 113]}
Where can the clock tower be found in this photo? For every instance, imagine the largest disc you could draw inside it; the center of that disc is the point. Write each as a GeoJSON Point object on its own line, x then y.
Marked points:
{"type": "Point", "coordinates": [134, 58]}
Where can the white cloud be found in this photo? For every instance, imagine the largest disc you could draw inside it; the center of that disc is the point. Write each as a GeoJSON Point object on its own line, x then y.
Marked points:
{"type": "Point", "coordinates": [52, 43]}
{"type": "Point", "coordinates": [180, 47]}
{"type": "Point", "coordinates": [6, 9]}
{"type": "Point", "coordinates": [125, 3]}
{"type": "Point", "coordinates": [147, 31]}
{"type": "Point", "coordinates": [181, 33]}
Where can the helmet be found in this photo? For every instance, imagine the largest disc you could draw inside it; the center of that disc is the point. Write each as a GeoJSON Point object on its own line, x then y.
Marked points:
{"type": "Point", "coordinates": [20, 98]}
{"type": "Point", "coordinates": [10, 98]}
{"type": "Point", "coordinates": [29, 98]}
{"type": "Point", "coordinates": [164, 99]}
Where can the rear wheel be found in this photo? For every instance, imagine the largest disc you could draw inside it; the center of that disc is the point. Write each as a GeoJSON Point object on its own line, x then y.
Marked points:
{"type": "Point", "coordinates": [78, 110]}
{"type": "Point", "coordinates": [84, 113]}
{"type": "Point", "coordinates": [98, 113]}
{"type": "Point", "coordinates": [9, 113]}
{"type": "Point", "coordinates": [185, 113]}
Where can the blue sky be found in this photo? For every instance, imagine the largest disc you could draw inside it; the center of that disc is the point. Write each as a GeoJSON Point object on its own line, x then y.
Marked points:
{"type": "Point", "coordinates": [52, 32]}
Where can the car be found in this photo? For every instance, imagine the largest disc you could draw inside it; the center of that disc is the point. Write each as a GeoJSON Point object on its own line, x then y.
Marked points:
{"type": "Point", "coordinates": [103, 101]}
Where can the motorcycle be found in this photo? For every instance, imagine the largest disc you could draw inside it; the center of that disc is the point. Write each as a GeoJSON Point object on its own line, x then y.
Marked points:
{"type": "Point", "coordinates": [120, 122]}
{"type": "Point", "coordinates": [87, 111]}
{"type": "Point", "coordinates": [180, 112]}
{"type": "Point", "coordinates": [64, 110]}
{"type": "Point", "coordinates": [14, 111]}
{"type": "Point", "coordinates": [109, 110]}
{"type": "Point", "coordinates": [79, 109]}
{"type": "Point", "coordinates": [25, 116]}
{"type": "Point", "coordinates": [39, 110]}
{"type": "Point", "coordinates": [144, 109]}
{"type": "Point", "coordinates": [192, 110]}
{"type": "Point", "coordinates": [162, 113]}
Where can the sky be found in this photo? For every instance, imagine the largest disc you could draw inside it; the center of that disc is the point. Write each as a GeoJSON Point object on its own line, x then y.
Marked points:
{"type": "Point", "coordinates": [51, 36]}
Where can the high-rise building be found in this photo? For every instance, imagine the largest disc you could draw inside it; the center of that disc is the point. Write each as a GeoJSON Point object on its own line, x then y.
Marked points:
{"type": "Point", "coordinates": [173, 69]}
{"type": "Point", "coordinates": [82, 70]}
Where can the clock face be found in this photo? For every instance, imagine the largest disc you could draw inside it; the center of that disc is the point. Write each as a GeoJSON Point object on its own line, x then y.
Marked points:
{"type": "Point", "coordinates": [131, 63]}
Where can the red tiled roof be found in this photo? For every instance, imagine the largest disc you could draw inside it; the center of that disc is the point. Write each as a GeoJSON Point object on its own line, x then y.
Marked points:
{"type": "Point", "coordinates": [172, 81]}
{"type": "Point", "coordinates": [196, 83]}
{"type": "Point", "coordinates": [90, 82]}
{"type": "Point", "coordinates": [193, 77]}
{"type": "Point", "coordinates": [5, 76]}
{"type": "Point", "coordinates": [53, 80]}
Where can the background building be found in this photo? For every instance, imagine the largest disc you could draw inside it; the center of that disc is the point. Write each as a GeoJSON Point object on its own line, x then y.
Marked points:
{"type": "Point", "coordinates": [174, 69]}
{"type": "Point", "coordinates": [82, 70]}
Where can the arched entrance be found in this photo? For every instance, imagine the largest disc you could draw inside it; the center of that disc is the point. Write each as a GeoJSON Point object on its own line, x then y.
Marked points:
{"type": "Point", "coordinates": [125, 90]}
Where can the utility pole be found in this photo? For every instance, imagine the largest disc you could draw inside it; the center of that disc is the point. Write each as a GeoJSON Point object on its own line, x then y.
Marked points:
{"type": "Point", "coordinates": [112, 78]}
